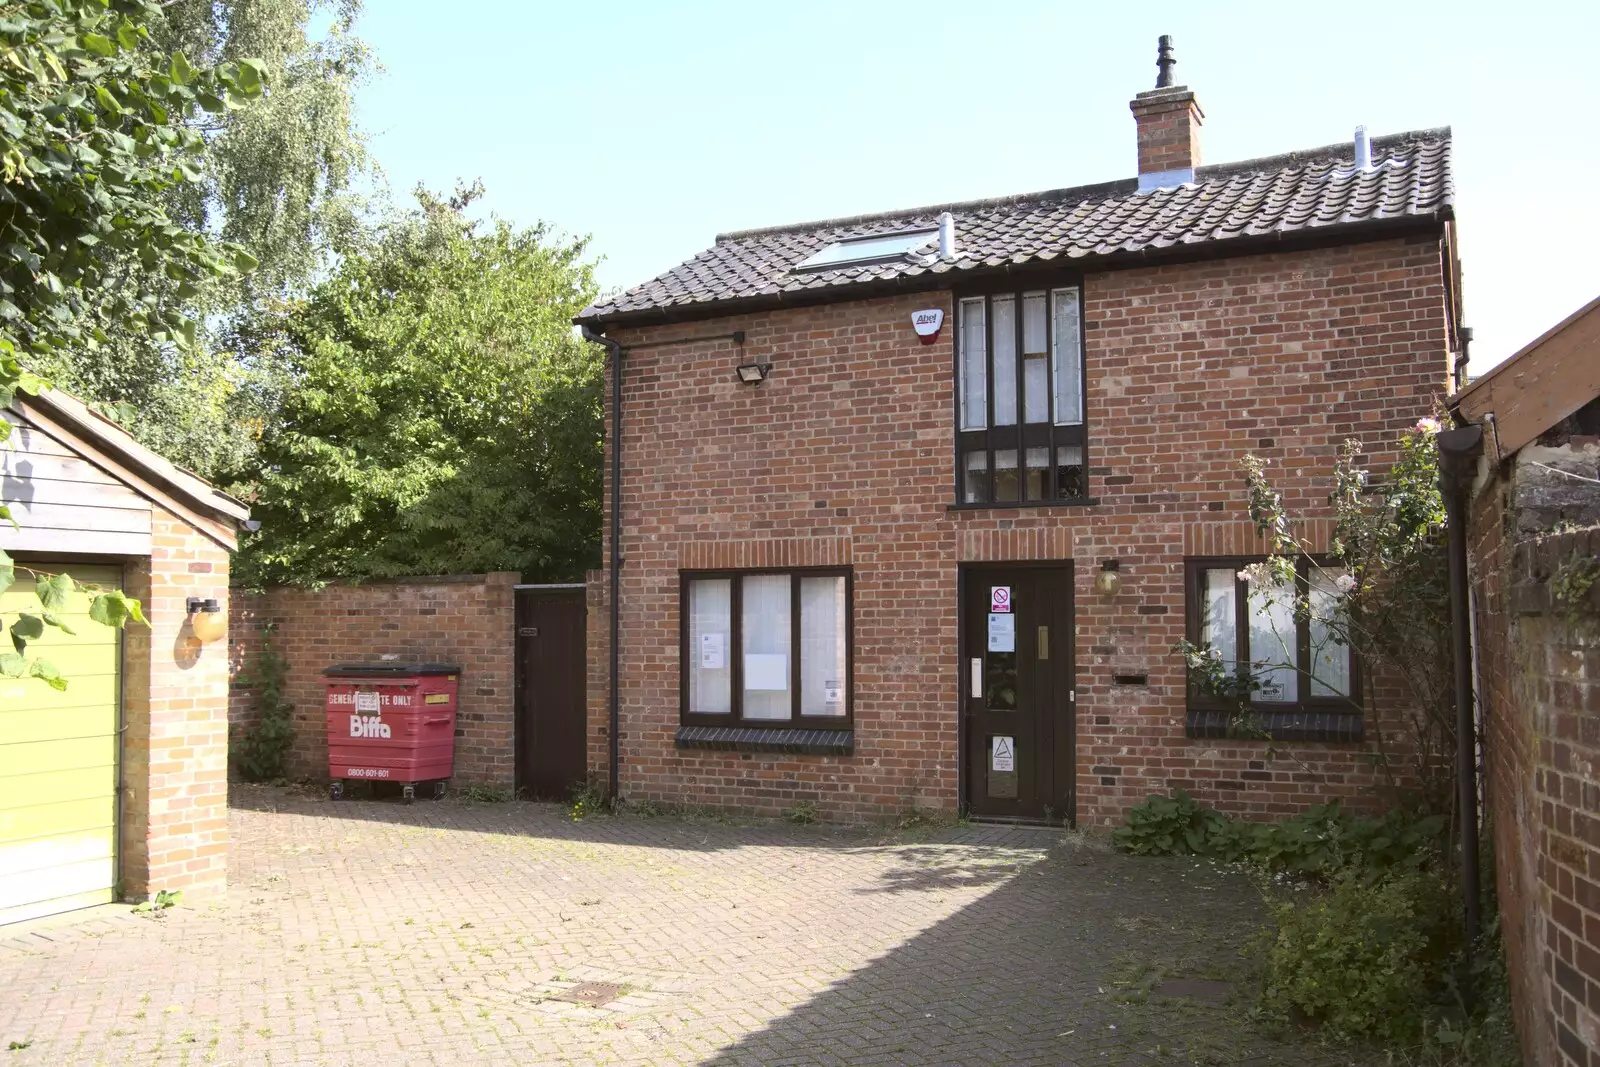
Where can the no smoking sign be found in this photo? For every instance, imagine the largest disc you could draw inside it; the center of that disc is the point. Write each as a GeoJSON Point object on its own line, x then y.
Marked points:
{"type": "Point", "coordinates": [999, 598]}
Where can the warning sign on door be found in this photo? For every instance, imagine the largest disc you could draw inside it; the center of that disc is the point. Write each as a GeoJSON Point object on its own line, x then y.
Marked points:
{"type": "Point", "coordinates": [999, 598]}
{"type": "Point", "coordinates": [1002, 754]}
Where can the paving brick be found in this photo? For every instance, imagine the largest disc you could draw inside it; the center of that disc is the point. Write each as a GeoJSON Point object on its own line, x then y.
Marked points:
{"type": "Point", "coordinates": [441, 933]}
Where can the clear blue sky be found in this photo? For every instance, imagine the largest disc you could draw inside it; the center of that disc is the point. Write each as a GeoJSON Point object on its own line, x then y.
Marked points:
{"type": "Point", "coordinates": [653, 127]}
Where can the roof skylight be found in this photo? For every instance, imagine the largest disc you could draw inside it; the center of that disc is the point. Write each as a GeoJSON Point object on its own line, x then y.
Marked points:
{"type": "Point", "coordinates": [856, 251]}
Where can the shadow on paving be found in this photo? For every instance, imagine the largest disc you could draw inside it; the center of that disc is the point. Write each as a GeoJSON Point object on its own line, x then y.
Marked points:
{"type": "Point", "coordinates": [1051, 967]}
{"type": "Point", "coordinates": [552, 821]}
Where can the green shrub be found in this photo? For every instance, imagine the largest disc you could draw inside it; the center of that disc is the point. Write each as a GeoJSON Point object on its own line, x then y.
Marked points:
{"type": "Point", "coordinates": [1315, 843]}
{"type": "Point", "coordinates": [1368, 958]}
{"type": "Point", "coordinates": [265, 743]}
{"type": "Point", "coordinates": [1177, 825]}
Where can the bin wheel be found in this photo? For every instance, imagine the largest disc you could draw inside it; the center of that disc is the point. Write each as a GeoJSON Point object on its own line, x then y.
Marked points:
{"type": "Point", "coordinates": [336, 790]}
{"type": "Point", "coordinates": [438, 790]}
{"type": "Point", "coordinates": [408, 793]}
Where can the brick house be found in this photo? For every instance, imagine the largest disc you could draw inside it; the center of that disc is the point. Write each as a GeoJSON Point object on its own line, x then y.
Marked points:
{"type": "Point", "coordinates": [1534, 554]}
{"type": "Point", "coordinates": [915, 505]}
{"type": "Point", "coordinates": [117, 785]}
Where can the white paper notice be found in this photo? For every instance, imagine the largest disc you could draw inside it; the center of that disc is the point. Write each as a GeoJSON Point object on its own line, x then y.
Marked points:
{"type": "Point", "coordinates": [833, 693]}
{"type": "Point", "coordinates": [1002, 633]}
{"type": "Point", "coordinates": [711, 655]}
{"type": "Point", "coordinates": [366, 701]}
{"type": "Point", "coordinates": [1002, 754]}
{"type": "Point", "coordinates": [766, 671]}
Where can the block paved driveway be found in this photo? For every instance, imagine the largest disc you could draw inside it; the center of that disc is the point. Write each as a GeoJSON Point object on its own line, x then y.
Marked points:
{"type": "Point", "coordinates": [445, 933]}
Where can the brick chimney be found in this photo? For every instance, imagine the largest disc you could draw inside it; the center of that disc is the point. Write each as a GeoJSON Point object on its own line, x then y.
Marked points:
{"type": "Point", "coordinates": [1168, 118]}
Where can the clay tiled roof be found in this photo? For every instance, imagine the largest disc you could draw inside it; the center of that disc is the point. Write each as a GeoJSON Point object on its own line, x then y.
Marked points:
{"type": "Point", "coordinates": [1233, 206]}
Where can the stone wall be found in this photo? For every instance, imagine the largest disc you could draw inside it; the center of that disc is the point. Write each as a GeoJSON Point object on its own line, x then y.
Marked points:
{"type": "Point", "coordinates": [468, 620]}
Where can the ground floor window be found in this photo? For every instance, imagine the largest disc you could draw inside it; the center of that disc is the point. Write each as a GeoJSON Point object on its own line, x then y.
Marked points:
{"type": "Point", "coordinates": [766, 648]}
{"type": "Point", "coordinates": [1281, 646]}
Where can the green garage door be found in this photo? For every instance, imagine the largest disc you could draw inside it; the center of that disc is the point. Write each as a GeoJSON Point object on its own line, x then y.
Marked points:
{"type": "Point", "coordinates": [58, 760]}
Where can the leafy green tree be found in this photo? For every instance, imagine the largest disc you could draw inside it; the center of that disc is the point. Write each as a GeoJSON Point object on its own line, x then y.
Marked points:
{"type": "Point", "coordinates": [93, 137]}
{"type": "Point", "coordinates": [277, 179]}
{"type": "Point", "coordinates": [439, 416]}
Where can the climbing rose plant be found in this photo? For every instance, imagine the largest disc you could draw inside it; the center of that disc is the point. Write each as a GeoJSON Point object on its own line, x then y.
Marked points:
{"type": "Point", "coordinates": [1390, 606]}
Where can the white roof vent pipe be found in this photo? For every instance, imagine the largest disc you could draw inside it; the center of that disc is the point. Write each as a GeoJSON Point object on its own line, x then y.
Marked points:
{"type": "Point", "coordinates": [1363, 149]}
{"type": "Point", "coordinates": [947, 236]}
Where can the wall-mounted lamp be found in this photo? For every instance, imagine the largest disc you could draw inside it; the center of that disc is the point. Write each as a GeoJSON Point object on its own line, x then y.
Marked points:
{"type": "Point", "coordinates": [1108, 581]}
{"type": "Point", "coordinates": [754, 373]}
{"type": "Point", "coordinates": [206, 619]}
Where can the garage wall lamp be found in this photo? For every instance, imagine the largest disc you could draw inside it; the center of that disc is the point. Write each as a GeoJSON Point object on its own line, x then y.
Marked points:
{"type": "Point", "coordinates": [754, 373]}
{"type": "Point", "coordinates": [1108, 581]}
{"type": "Point", "coordinates": [206, 619]}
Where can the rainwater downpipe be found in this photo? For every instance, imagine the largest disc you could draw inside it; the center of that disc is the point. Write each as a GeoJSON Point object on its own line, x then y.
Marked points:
{"type": "Point", "coordinates": [1459, 450]}
{"type": "Point", "coordinates": [614, 586]}
{"type": "Point", "coordinates": [614, 350]}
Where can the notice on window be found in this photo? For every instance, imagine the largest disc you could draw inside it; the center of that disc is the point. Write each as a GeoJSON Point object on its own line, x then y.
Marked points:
{"type": "Point", "coordinates": [832, 693]}
{"type": "Point", "coordinates": [1002, 633]}
{"type": "Point", "coordinates": [712, 656]}
{"type": "Point", "coordinates": [766, 671]}
{"type": "Point", "coordinates": [1002, 754]}
{"type": "Point", "coordinates": [367, 701]}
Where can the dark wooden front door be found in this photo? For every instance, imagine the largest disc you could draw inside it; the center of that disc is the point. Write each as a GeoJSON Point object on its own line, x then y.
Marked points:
{"type": "Point", "coordinates": [551, 689]}
{"type": "Point", "coordinates": [1016, 683]}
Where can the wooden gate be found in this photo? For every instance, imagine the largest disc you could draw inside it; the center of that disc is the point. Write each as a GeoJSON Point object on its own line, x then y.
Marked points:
{"type": "Point", "coordinates": [552, 667]}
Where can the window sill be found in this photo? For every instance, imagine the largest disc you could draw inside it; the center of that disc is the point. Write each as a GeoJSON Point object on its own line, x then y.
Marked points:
{"type": "Point", "coordinates": [1085, 502]}
{"type": "Point", "coordinates": [797, 741]}
{"type": "Point", "coordinates": [1288, 725]}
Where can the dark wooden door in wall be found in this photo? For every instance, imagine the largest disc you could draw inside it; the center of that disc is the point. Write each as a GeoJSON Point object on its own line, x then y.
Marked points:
{"type": "Point", "coordinates": [551, 687]}
{"type": "Point", "coordinates": [1016, 685]}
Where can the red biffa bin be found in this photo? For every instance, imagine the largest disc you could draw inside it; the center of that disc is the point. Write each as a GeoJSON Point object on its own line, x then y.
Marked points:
{"type": "Point", "coordinates": [391, 722]}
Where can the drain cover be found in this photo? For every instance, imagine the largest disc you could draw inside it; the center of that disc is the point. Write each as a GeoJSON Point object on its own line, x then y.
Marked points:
{"type": "Point", "coordinates": [593, 994]}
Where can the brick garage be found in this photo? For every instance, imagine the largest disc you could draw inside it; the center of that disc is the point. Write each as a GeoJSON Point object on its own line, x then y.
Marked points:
{"type": "Point", "coordinates": [1535, 540]}
{"type": "Point", "coordinates": [1192, 367]}
{"type": "Point", "coordinates": [464, 619]}
{"type": "Point", "coordinates": [92, 502]}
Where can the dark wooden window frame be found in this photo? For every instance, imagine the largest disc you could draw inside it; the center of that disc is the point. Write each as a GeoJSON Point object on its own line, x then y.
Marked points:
{"type": "Point", "coordinates": [736, 650]}
{"type": "Point", "coordinates": [1023, 435]}
{"type": "Point", "coordinates": [1309, 717]}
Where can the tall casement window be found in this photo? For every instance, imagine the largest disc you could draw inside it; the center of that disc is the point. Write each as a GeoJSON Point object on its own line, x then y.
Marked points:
{"type": "Point", "coordinates": [1019, 398]}
{"type": "Point", "coordinates": [1295, 678]}
{"type": "Point", "coordinates": [766, 648]}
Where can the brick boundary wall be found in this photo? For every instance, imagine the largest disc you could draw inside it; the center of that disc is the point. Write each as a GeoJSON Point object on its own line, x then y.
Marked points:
{"type": "Point", "coordinates": [468, 620]}
{"type": "Point", "coordinates": [1540, 678]}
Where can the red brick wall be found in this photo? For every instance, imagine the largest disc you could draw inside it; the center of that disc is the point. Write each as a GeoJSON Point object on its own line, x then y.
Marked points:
{"type": "Point", "coordinates": [845, 454]}
{"type": "Point", "coordinates": [466, 620]}
{"type": "Point", "coordinates": [175, 706]}
{"type": "Point", "coordinates": [1539, 683]}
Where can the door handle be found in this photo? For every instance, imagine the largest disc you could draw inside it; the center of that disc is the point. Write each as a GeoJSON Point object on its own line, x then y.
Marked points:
{"type": "Point", "coordinates": [977, 677]}
{"type": "Point", "coordinates": [1044, 642]}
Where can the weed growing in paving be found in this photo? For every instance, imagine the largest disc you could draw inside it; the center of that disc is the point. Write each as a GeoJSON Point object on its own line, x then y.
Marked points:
{"type": "Point", "coordinates": [803, 813]}
{"type": "Point", "coordinates": [481, 793]}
